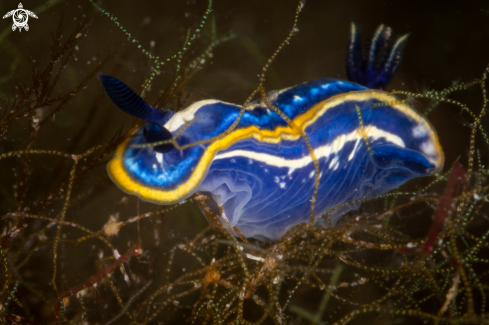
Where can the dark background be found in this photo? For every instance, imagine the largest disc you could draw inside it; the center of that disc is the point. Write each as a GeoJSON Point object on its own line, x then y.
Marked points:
{"type": "Point", "coordinates": [448, 44]}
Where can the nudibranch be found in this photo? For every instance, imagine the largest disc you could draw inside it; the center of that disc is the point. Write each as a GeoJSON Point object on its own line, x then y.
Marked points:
{"type": "Point", "coordinates": [261, 174]}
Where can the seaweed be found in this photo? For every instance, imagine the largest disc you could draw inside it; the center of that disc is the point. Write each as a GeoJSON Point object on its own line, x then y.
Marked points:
{"type": "Point", "coordinates": [134, 265]}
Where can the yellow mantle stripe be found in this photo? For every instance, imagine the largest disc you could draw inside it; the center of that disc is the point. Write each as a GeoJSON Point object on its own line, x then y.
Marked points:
{"type": "Point", "coordinates": [121, 177]}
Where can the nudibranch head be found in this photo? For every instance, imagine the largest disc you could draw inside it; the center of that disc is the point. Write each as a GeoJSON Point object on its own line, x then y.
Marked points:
{"type": "Point", "coordinates": [129, 102]}
{"type": "Point", "coordinates": [261, 174]}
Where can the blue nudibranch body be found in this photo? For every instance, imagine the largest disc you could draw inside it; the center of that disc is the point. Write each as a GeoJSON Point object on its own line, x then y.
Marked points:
{"type": "Point", "coordinates": [261, 174]}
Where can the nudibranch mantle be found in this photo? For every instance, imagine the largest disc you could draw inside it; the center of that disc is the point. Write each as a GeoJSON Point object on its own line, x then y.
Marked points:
{"type": "Point", "coordinates": [261, 173]}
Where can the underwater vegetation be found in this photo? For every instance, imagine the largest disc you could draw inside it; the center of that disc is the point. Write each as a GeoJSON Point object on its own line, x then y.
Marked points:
{"type": "Point", "coordinates": [258, 160]}
{"type": "Point", "coordinates": [77, 250]}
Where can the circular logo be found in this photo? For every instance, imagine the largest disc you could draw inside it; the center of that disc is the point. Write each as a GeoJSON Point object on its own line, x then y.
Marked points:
{"type": "Point", "coordinates": [20, 18]}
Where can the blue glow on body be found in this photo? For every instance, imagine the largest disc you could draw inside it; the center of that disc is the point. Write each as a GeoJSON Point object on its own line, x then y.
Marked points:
{"type": "Point", "coordinates": [264, 200]}
{"type": "Point", "coordinates": [261, 173]}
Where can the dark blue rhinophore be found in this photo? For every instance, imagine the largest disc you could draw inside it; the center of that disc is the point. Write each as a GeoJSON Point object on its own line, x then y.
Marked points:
{"type": "Point", "coordinates": [153, 132]}
{"type": "Point", "coordinates": [376, 69]}
{"type": "Point", "coordinates": [131, 103]}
